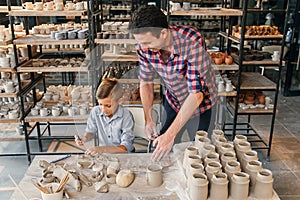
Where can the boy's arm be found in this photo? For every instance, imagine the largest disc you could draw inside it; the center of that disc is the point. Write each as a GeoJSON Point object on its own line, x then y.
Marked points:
{"type": "Point", "coordinates": [106, 149]}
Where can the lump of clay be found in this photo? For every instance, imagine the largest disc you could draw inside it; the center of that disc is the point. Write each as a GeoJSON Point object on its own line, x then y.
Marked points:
{"type": "Point", "coordinates": [113, 168]}
{"type": "Point", "coordinates": [85, 164]}
{"type": "Point", "coordinates": [124, 178]}
{"type": "Point", "coordinates": [44, 164]}
{"type": "Point", "coordinates": [97, 176]}
{"type": "Point", "coordinates": [101, 187]}
{"type": "Point", "coordinates": [98, 167]}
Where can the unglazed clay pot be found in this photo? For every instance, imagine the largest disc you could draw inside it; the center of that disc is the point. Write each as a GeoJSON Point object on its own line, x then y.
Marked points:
{"type": "Point", "coordinates": [190, 160]}
{"type": "Point", "coordinates": [198, 187]}
{"type": "Point", "coordinates": [226, 147]}
{"type": "Point", "coordinates": [207, 148]}
{"type": "Point", "coordinates": [200, 142]}
{"type": "Point", "coordinates": [190, 150]}
{"type": "Point", "coordinates": [200, 134]}
{"type": "Point", "coordinates": [252, 168]}
{"type": "Point", "coordinates": [213, 168]}
{"type": "Point", "coordinates": [263, 188]}
{"type": "Point", "coordinates": [242, 147]}
{"type": "Point", "coordinates": [247, 157]}
{"type": "Point", "coordinates": [226, 157]}
{"type": "Point", "coordinates": [239, 138]}
{"type": "Point", "coordinates": [219, 187]}
{"type": "Point", "coordinates": [211, 157]}
{"type": "Point", "coordinates": [216, 134]}
{"type": "Point", "coordinates": [239, 186]}
{"type": "Point", "coordinates": [218, 60]}
{"type": "Point", "coordinates": [232, 167]}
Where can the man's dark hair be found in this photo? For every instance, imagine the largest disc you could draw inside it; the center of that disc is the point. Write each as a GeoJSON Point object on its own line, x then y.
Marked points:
{"type": "Point", "coordinates": [148, 19]}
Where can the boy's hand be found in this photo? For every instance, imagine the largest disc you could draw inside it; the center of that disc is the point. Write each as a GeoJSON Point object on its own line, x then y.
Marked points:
{"type": "Point", "coordinates": [78, 140]}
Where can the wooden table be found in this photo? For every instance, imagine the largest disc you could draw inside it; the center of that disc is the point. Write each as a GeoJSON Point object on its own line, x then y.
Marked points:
{"type": "Point", "coordinates": [174, 185]}
{"type": "Point", "coordinates": [137, 190]}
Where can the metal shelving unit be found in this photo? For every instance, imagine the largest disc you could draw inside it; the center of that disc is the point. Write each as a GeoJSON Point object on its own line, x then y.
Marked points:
{"type": "Point", "coordinates": [249, 81]}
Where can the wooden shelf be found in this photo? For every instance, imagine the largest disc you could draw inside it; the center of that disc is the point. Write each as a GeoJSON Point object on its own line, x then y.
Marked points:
{"type": "Point", "coordinates": [257, 62]}
{"type": "Point", "coordinates": [258, 37]}
{"type": "Point", "coordinates": [7, 69]}
{"type": "Point", "coordinates": [44, 40]}
{"type": "Point", "coordinates": [209, 11]}
{"type": "Point", "coordinates": [108, 56]}
{"type": "Point", "coordinates": [5, 42]}
{"type": "Point", "coordinates": [61, 118]}
{"type": "Point", "coordinates": [53, 13]}
{"type": "Point", "coordinates": [4, 9]}
{"type": "Point", "coordinates": [69, 50]}
{"type": "Point", "coordinates": [15, 94]}
{"type": "Point", "coordinates": [233, 66]}
{"type": "Point", "coordinates": [257, 111]}
{"type": "Point", "coordinates": [27, 67]}
{"type": "Point", "coordinates": [115, 41]}
{"type": "Point", "coordinates": [227, 94]}
{"type": "Point", "coordinates": [128, 9]}
{"type": "Point", "coordinates": [255, 81]}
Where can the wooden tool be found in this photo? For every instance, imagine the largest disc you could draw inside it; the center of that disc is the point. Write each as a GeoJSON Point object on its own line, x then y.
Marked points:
{"type": "Point", "coordinates": [62, 183]}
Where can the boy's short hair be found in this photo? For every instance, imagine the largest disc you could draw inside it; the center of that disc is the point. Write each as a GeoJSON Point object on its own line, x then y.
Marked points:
{"type": "Point", "coordinates": [148, 18]}
{"type": "Point", "coordinates": [109, 87]}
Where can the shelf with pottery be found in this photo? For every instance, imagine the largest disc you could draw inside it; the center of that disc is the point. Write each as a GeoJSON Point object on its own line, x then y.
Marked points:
{"type": "Point", "coordinates": [227, 94]}
{"type": "Point", "coordinates": [115, 41]}
{"type": "Point", "coordinates": [208, 11]}
{"type": "Point", "coordinates": [61, 118]}
{"type": "Point", "coordinates": [251, 111]}
{"type": "Point", "coordinates": [46, 40]}
{"type": "Point", "coordinates": [67, 50]}
{"type": "Point", "coordinates": [4, 9]}
{"type": "Point", "coordinates": [256, 62]}
{"type": "Point", "coordinates": [5, 42]}
{"type": "Point", "coordinates": [54, 13]}
{"type": "Point", "coordinates": [250, 37]}
{"type": "Point", "coordinates": [52, 69]}
{"type": "Point", "coordinates": [254, 81]}
{"type": "Point", "coordinates": [233, 66]}
{"type": "Point", "coordinates": [109, 56]}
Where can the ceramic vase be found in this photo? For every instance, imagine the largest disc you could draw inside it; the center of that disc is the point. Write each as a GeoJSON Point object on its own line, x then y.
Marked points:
{"type": "Point", "coordinates": [190, 160]}
{"type": "Point", "coordinates": [219, 187]}
{"type": "Point", "coordinates": [207, 148]}
{"type": "Point", "coordinates": [200, 142]}
{"type": "Point", "coordinates": [190, 150]}
{"type": "Point", "coordinates": [239, 186]}
{"type": "Point", "coordinates": [211, 157]}
{"type": "Point", "coordinates": [226, 157]}
{"type": "Point", "coordinates": [242, 147]}
{"type": "Point", "coordinates": [198, 187]}
{"type": "Point", "coordinates": [252, 168]}
{"type": "Point", "coordinates": [263, 188]}
{"type": "Point", "coordinates": [219, 142]}
{"type": "Point", "coordinates": [239, 138]}
{"type": "Point", "coordinates": [226, 147]}
{"type": "Point", "coordinates": [232, 167]}
{"type": "Point", "coordinates": [200, 134]}
{"type": "Point", "coordinates": [213, 168]}
{"type": "Point", "coordinates": [215, 135]}
{"type": "Point", "coordinates": [247, 157]}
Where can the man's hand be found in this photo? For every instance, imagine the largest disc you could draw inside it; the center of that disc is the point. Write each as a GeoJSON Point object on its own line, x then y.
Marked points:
{"type": "Point", "coordinates": [164, 144]}
{"type": "Point", "coordinates": [150, 131]}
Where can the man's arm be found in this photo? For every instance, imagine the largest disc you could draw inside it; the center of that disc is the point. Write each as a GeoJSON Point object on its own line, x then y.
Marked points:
{"type": "Point", "coordinates": [165, 142]}
{"type": "Point", "coordinates": [147, 97]}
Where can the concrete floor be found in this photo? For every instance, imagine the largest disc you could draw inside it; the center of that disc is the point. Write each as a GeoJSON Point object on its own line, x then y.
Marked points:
{"type": "Point", "coordinates": [284, 160]}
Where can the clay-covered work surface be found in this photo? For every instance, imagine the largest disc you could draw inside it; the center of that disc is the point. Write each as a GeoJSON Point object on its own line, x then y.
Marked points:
{"type": "Point", "coordinates": [138, 189]}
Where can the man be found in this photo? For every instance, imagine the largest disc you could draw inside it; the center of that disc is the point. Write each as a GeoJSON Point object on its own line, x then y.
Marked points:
{"type": "Point", "coordinates": [178, 54]}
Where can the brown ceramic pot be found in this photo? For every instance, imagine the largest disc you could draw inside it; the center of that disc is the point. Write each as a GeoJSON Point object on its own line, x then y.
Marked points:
{"type": "Point", "coordinates": [228, 60]}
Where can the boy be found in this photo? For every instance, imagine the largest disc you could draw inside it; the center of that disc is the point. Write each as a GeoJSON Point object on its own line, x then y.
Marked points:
{"type": "Point", "coordinates": [111, 121]}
